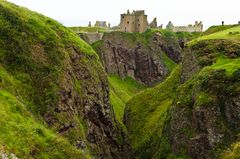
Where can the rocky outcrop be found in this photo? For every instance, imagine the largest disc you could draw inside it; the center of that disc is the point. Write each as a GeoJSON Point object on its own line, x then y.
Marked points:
{"type": "Point", "coordinates": [205, 116]}
{"type": "Point", "coordinates": [137, 56]}
{"type": "Point", "coordinates": [65, 86]}
{"type": "Point", "coordinates": [90, 104]}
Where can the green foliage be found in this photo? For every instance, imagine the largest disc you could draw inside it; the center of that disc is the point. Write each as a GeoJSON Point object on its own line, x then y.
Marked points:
{"type": "Point", "coordinates": [35, 54]}
{"type": "Point", "coordinates": [232, 153]}
{"type": "Point", "coordinates": [217, 28]}
{"type": "Point", "coordinates": [168, 62]}
{"type": "Point", "coordinates": [146, 114]}
{"type": "Point", "coordinates": [224, 34]}
{"type": "Point", "coordinates": [22, 135]}
{"type": "Point", "coordinates": [122, 90]}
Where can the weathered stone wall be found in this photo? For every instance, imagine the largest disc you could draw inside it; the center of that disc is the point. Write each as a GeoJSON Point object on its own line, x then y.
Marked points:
{"type": "Point", "coordinates": [134, 22]}
{"type": "Point", "coordinates": [187, 29]}
{"type": "Point", "coordinates": [197, 27]}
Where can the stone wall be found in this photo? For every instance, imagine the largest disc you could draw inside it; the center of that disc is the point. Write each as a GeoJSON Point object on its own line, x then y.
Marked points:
{"type": "Point", "coordinates": [134, 22]}
{"type": "Point", "coordinates": [197, 27]}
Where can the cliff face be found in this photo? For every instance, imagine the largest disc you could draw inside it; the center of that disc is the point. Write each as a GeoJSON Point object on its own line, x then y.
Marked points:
{"type": "Point", "coordinates": [193, 114]}
{"type": "Point", "coordinates": [61, 87]}
{"type": "Point", "coordinates": [147, 57]}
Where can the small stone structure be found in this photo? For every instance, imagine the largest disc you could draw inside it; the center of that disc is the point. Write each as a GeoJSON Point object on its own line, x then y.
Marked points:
{"type": "Point", "coordinates": [102, 24]}
{"type": "Point", "coordinates": [134, 22]}
{"type": "Point", "coordinates": [153, 24]}
{"type": "Point", "coordinates": [197, 27]}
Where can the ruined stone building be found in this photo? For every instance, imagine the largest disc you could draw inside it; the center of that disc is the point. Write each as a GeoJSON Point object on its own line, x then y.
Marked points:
{"type": "Point", "coordinates": [101, 24]}
{"type": "Point", "coordinates": [197, 27]}
{"type": "Point", "coordinates": [134, 22]}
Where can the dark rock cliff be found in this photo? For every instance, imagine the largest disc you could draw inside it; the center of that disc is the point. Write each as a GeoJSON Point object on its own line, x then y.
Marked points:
{"type": "Point", "coordinates": [139, 56]}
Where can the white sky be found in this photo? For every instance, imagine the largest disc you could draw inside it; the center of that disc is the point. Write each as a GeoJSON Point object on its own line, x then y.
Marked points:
{"type": "Point", "coordinates": [180, 12]}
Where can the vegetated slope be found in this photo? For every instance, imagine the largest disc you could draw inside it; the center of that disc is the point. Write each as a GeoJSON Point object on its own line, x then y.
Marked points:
{"type": "Point", "coordinates": [145, 116]}
{"type": "Point", "coordinates": [201, 121]}
{"type": "Point", "coordinates": [121, 90]}
{"type": "Point", "coordinates": [232, 33]}
{"type": "Point", "coordinates": [148, 57]}
{"type": "Point", "coordinates": [217, 28]}
{"type": "Point", "coordinates": [54, 93]}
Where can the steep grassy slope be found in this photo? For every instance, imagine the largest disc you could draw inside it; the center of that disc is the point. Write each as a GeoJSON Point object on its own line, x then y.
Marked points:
{"type": "Point", "coordinates": [232, 33]}
{"type": "Point", "coordinates": [121, 90]}
{"type": "Point", "coordinates": [146, 114]}
{"type": "Point", "coordinates": [193, 114]}
{"type": "Point", "coordinates": [214, 29]}
{"type": "Point", "coordinates": [53, 91]}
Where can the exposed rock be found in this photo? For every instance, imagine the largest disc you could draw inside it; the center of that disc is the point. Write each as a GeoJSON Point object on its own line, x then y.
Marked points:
{"type": "Point", "coordinates": [126, 55]}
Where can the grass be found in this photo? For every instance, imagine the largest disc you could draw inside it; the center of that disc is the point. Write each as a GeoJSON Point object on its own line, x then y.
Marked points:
{"type": "Point", "coordinates": [230, 65]}
{"type": "Point", "coordinates": [170, 64]}
{"type": "Point", "coordinates": [232, 33]}
{"type": "Point", "coordinates": [122, 90]}
{"type": "Point", "coordinates": [147, 113]}
{"type": "Point", "coordinates": [217, 28]}
{"type": "Point", "coordinates": [23, 136]}
{"type": "Point", "coordinates": [35, 65]}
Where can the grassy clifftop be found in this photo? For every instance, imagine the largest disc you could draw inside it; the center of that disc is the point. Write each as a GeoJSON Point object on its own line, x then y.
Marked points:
{"type": "Point", "coordinates": [223, 32]}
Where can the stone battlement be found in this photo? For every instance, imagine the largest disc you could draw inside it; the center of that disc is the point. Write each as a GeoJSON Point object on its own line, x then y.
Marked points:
{"type": "Point", "coordinates": [197, 27]}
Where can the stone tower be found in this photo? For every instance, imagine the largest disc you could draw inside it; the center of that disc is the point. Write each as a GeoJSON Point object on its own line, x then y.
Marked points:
{"type": "Point", "coordinates": [134, 22]}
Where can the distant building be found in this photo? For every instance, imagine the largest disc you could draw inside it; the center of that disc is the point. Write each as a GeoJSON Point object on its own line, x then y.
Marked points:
{"type": "Point", "coordinates": [197, 27]}
{"type": "Point", "coordinates": [153, 24]}
{"type": "Point", "coordinates": [102, 24]}
{"type": "Point", "coordinates": [134, 22]}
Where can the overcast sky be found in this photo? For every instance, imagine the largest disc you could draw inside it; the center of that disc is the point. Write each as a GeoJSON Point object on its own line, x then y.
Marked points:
{"type": "Point", "coordinates": [180, 12]}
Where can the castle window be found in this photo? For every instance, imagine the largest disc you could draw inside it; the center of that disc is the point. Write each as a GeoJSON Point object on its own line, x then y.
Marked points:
{"type": "Point", "coordinates": [127, 22]}
{"type": "Point", "coordinates": [138, 19]}
{"type": "Point", "coordinates": [123, 17]}
{"type": "Point", "coordinates": [138, 24]}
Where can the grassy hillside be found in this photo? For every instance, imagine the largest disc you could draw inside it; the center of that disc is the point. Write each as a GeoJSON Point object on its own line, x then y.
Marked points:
{"type": "Point", "coordinates": [231, 33]}
{"type": "Point", "coordinates": [45, 73]}
{"type": "Point", "coordinates": [146, 114]}
{"type": "Point", "coordinates": [161, 120]}
{"type": "Point", "coordinates": [214, 29]}
{"type": "Point", "coordinates": [122, 90]}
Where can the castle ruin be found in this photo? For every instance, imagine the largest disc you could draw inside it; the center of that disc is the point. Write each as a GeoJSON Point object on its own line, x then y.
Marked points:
{"type": "Point", "coordinates": [197, 27]}
{"type": "Point", "coordinates": [102, 24]}
{"type": "Point", "coordinates": [134, 22]}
